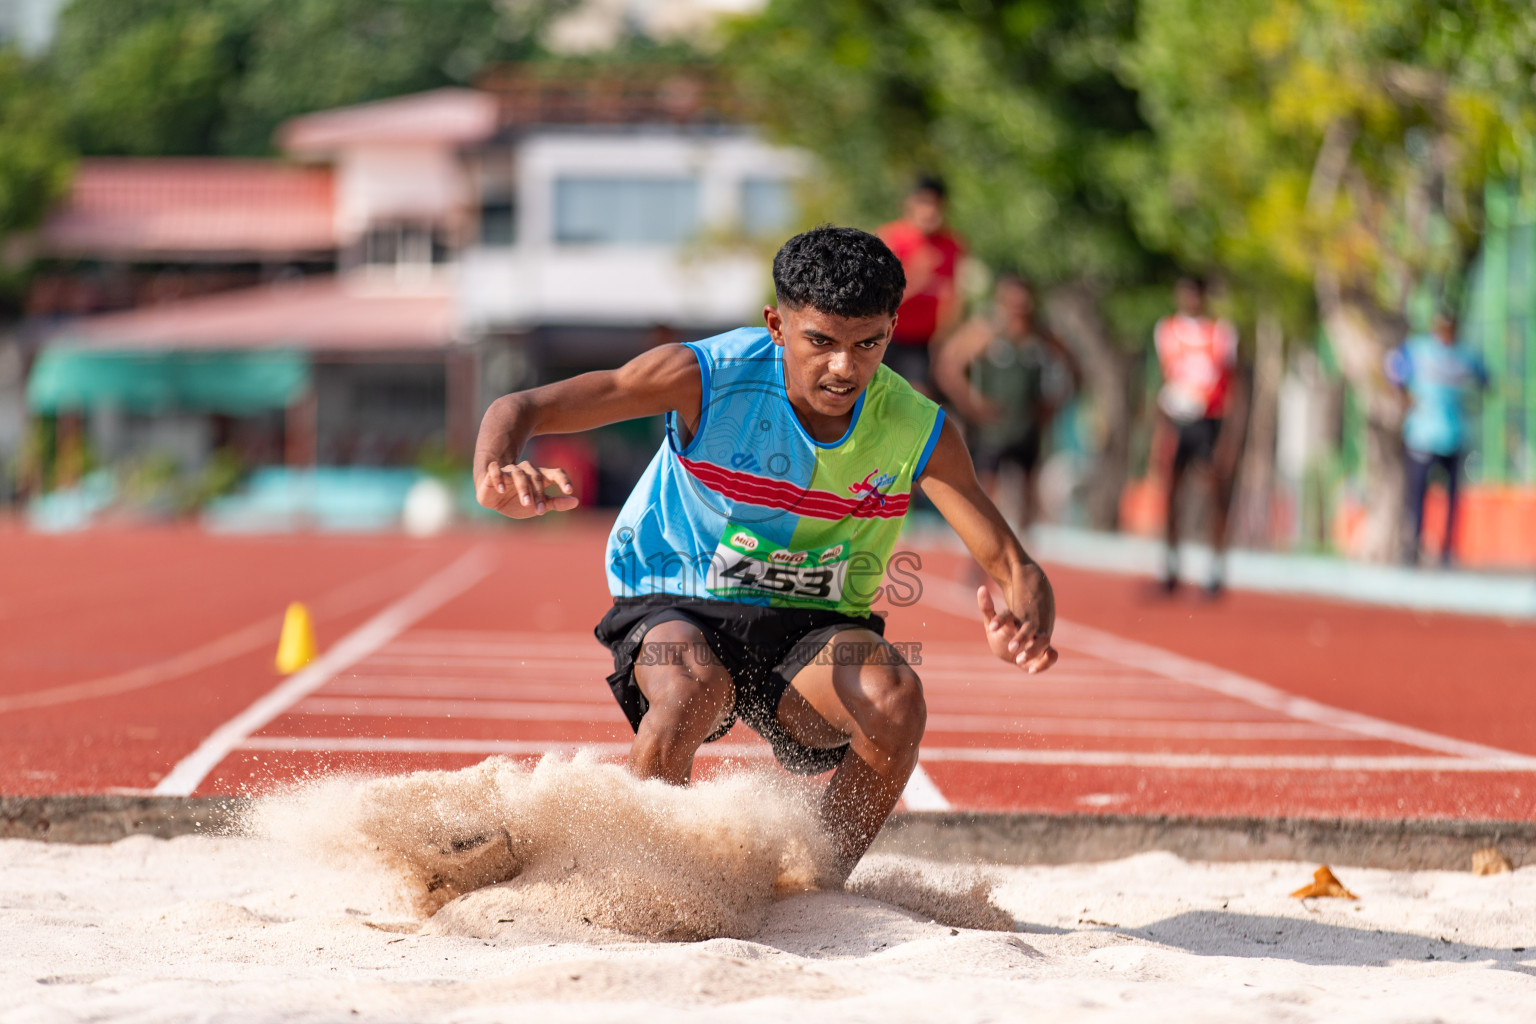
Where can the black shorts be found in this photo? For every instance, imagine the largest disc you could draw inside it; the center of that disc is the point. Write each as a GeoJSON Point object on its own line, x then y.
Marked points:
{"type": "Point", "coordinates": [762, 648]}
{"type": "Point", "coordinates": [1024, 453]}
{"type": "Point", "coordinates": [1197, 442]}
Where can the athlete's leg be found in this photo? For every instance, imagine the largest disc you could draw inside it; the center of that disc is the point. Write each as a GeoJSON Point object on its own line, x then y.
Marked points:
{"type": "Point", "coordinates": [1176, 473]}
{"type": "Point", "coordinates": [690, 695]}
{"type": "Point", "coordinates": [1418, 467]}
{"type": "Point", "coordinates": [1221, 479]}
{"type": "Point", "coordinates": [875, 704]}
{"type": "Point", "coordinates": [1452, 465]}
{"type": "Point", "coordinates": [1029, 468]}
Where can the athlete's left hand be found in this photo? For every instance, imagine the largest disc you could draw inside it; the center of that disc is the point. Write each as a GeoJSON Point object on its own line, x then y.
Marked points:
{"type": "Point", "coordinates": [1027, 642]}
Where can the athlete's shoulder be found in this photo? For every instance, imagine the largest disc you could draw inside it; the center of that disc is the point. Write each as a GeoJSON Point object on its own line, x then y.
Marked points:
{"type": "Point", "coordinates": [742, 343]}
{"type": "Point", "coordinates": [893, 395]}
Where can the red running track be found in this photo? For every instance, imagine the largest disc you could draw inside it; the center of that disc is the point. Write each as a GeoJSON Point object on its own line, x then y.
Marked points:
{"type": "Point", "coordinates": [140, 661]}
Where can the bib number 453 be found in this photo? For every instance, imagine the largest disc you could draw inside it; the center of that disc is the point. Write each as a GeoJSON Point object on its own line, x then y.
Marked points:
{"type": "Point", "coordinates": [735, 572]}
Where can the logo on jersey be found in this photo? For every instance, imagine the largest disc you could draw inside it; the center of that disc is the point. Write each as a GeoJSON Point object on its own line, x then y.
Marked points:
{"type": "Point", "coordinates": [744, 540]}
{"type": "Point", "coordinates": [785, 557]}
{"type": "Point", "coordinates": [869, 489]}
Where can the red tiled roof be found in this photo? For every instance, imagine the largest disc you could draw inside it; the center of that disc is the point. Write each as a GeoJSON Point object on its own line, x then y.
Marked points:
{"type": "Point", "coordinates": [325, 314]}
{"type": "Point", "coordinates": [555, 94]}
{"type": "Point", "coordinates": [193, 208]}
{"type": "Point", "coordinates": [445, 116]}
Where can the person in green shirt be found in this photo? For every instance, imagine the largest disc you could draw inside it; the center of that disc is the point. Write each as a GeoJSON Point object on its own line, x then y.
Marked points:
{"type": "Point", "coordinates": [1008, 376]}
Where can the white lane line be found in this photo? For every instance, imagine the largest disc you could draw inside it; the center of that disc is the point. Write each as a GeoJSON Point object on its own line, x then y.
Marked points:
{"type": "Point", "coordinates": [426, 707]}
{"type": "Point", "coordinates": [356, 594]}
{"type": "Point", "coordinates": [1262, 762]}
{"type": "Point", "coordinates": [921, 794]}
{"type": "Point", "coordinates": [441, 588]}
{"type": "Point", "coordinates": [961, 601]}
{"type": "Point", "coordinates": [512, 637]}
{"type": "Point", "coordinates": [443, 661]}
{"type": "Point", "coordinates": [1059, 707]}
{"type": "Point", "coordinates": [578, 646]}
{"type": "Point", "coordinates": [445, 745]}
{"type": "Point", "coordinates": [409, 686]}
{"type": "Point", "coordinates": [599, 709]}
{"type": "Point", "coordinates": [975, 755]}
{"type": "Point", "coordinates": [1139, 727]}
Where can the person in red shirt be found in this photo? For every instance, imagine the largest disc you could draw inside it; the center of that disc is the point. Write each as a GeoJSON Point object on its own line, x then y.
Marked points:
{"type": "Point", "coordinates": [1201, 404]}
{"type": "Point", "coordinates": [930, 255]}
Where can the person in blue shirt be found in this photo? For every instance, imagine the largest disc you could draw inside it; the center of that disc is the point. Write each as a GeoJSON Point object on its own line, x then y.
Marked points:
{"type": "Point", "coordinates": [1436, 375]}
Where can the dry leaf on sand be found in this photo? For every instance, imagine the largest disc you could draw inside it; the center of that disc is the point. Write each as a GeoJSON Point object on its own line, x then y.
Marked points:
{"type": "Point", "coordinates": [1324, 884]}
{"type": "Point", "coordinates": [1490, 861]}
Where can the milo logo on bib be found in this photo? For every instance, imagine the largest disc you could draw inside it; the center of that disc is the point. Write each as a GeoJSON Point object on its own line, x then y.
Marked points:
{"type": "Point", "coordinates": [748, 565]}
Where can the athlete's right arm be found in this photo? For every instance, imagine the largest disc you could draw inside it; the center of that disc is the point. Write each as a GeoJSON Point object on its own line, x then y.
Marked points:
{"type": "Point", "coordinates": [664, 379]}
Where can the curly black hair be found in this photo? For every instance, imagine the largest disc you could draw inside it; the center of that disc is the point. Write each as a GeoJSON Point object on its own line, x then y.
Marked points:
{"type": "Point", "coordinates": [842, 271]}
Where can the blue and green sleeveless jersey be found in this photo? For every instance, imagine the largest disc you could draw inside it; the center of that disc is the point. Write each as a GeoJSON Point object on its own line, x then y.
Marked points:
{"type": "Point", "coordinates": [753, 509]}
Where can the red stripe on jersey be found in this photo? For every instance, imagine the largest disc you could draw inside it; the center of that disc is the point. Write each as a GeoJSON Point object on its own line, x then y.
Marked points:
{"type": "Point", "coordinates": [780, 494]}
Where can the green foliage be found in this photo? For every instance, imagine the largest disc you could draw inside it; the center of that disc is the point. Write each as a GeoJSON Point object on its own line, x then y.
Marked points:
{"type": "Point", "coordinates": [145, 77]}
{"type": "Point", "coordinates": [35, 166]}
{"type": "Point", "coordinates": [1352, 139]}
{"type": "Point", "coordinates": [35, 163]}
{"type": "Point", "coordinates": [179, 77]}
{"type": "Point", "coordinates": [1018, 104]}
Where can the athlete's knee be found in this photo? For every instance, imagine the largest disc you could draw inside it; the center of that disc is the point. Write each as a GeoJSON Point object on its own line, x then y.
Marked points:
{"type": "Point", "coordinates": [898, 713]}
{"type": "Point", "coordinates": [686, 687]}
{"type": "Point", "coordinates": [684, 700]}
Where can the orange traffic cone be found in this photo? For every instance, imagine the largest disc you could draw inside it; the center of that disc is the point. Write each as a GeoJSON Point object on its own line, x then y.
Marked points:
{"type": "Point", "coordinates": [296, 647]}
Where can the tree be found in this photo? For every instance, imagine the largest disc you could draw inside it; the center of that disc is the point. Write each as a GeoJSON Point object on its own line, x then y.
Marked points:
{"type": "Point", "coordinates": [1018, 104]}
{"type": "Point", "coordinates": [180, 77]}
{"type": "Point", "coordinates": [35, 162]}
{"type": "Point", "coordinates": [1342, 147]}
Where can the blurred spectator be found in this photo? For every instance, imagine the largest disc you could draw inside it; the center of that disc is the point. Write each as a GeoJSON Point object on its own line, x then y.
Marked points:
{"type": "Point", "coordinates": [1435, 375]}
{"type": "Point", "coordinates": [1008, 376]}
{"type": "Point", "coordinates": [930, 254]}
{"type": "Point", "coordinates": [1202, 415]}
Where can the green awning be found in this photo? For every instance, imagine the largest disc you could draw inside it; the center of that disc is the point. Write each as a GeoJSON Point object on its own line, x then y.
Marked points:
{"type": "Point", "coordinates": [232, 383]}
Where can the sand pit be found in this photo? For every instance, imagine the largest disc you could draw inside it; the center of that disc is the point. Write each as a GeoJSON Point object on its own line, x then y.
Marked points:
{"type": "Point", "coordinates": [252, 928]}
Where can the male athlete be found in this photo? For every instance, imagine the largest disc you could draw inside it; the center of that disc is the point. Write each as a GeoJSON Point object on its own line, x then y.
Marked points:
{"type": "Point", "coordinates": [1203, 405]}
{"type": "Point", "coordinates": [930, 255]}
{"type": "Point", "coordinates": [1008, 374]}
{"type": "Point", "coordinates": [744, 564]}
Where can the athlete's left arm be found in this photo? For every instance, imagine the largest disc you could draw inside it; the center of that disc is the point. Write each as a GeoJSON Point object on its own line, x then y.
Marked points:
{"type": "Point", "coordinates": [1234, 427]}
{"type": "Point", "coordinates": [1234, 418]}
{"type": "Point", "coordinates": [1020, 633]}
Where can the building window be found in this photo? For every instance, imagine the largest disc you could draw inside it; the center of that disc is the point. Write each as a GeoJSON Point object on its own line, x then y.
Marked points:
{"type": "Point", "coordinates": [403, 244]}
{"type": "Point", "coordinates": [767, 206]}
{"type": "Point", "coordinates": [626, 211]}
{"type": "Point", "coordinates": [498, 222]}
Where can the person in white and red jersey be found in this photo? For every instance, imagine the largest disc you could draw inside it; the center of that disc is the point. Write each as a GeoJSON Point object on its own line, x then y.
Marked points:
{"type": "Point", "coordinates": [1201, 405]}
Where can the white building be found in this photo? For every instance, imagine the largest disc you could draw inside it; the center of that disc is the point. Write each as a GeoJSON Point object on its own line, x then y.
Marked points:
{"type": "Point", "coordinates": [627, 228]}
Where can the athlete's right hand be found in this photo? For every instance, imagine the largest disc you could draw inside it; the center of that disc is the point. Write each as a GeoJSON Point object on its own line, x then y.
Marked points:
{"type": "Point", "coordinates": [522, 491]}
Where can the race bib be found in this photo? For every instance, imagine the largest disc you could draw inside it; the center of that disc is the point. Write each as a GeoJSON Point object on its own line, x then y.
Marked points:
{"type": "Point", "coordinates": [745, 564]}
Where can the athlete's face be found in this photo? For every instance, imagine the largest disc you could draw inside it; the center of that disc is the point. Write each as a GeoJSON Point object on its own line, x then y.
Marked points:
{"type": "Point", "coordinates": [1189, 299]}
{"type": "Point", "coordinates": [1015, 301]}
{"type": "Point", "coordinates": [1445, 329]}
{"type": "Point", "coordinates": [925, 211]}
{"type": "Point", "coordinates": [828, 360]}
